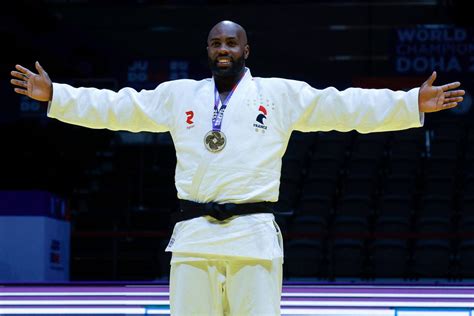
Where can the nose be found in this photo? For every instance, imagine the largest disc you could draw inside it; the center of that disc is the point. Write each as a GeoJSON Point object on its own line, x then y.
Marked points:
{"type": "Point", "coordinates": [223, 49]}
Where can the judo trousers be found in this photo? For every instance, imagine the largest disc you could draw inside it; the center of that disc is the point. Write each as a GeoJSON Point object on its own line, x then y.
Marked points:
{"type": "Point", "coordinates": [230, 287]}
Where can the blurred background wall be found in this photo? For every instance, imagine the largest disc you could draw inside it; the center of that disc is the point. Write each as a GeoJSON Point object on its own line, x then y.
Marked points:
{"type": "Point", "coordinates": [393, 201]}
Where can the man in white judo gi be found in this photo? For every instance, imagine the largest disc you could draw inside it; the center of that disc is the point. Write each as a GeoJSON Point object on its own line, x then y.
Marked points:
{"type": "Point", "coordinates": [230, 133]}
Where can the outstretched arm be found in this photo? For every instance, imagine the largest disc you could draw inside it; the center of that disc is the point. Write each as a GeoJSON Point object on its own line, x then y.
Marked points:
{"type": "Point", "coordinates": [436, 98]}
{"type": "Point", "coordinates": [371, 110]}
{"type": "Point", "coordinates": [36, 86]}
{"type": "Point", "coordinates": [127, 109]}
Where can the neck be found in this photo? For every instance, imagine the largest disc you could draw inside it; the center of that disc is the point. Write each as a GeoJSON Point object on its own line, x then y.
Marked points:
{"type": "Point", "coordinates": [226, 83]}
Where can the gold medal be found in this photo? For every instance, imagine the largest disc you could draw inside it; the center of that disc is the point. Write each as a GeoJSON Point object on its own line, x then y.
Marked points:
{"type": "Point", "coordinates": [214, 141]}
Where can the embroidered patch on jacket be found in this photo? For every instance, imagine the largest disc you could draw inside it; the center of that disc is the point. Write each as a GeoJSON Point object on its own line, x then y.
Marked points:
{"type": "Point", "coordinates": [171, 242]}
{"type": "Point", "coordinates": [189, 119]}
{"type": "Point", "coordinates": [261, 119]}
{"type": "Point", "coordinates": [265, 107]}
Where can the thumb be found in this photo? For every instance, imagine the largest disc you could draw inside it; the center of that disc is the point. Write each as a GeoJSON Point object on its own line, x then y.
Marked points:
{"type": "Point", "coordinates": [40, 69]}
{"type": "Point", "coordinates": [431, 79]}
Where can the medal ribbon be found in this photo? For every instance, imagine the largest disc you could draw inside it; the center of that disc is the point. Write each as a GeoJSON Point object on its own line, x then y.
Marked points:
{"type": "Point", "coordinates": [218, 115]}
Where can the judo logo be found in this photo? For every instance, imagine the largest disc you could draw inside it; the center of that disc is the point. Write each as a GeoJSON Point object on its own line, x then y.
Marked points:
{"type": "Point", "coordinates": [189, 119]}
{"type": "Point", "coordinates": [261, 118]}
{"type": "Point", "coordinates": [262, 115]}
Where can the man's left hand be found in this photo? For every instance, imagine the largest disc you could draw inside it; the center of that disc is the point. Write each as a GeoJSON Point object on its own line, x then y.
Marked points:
{"type": "Point", "coordinates": [436, 98]}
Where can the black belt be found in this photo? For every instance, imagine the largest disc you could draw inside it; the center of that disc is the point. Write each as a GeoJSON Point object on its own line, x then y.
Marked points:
{"type": "Point", "coordinates": [189, 209]}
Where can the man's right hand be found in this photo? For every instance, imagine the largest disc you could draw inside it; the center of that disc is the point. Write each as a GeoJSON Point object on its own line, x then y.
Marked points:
{"type": "Point", "coordinates": [36, 86]}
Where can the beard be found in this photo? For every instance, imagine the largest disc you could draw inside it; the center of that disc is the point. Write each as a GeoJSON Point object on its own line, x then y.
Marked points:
{"type": "Point", "coordinates": [236, 68]}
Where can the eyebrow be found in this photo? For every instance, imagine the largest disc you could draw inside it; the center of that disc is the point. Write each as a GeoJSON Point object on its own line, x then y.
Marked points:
{"type": "Point", "coordinates": [227, 38]}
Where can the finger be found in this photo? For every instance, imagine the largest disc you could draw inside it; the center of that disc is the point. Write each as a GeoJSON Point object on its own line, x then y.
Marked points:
{"type": "Point", "coordinates": [455, 93]}
{"type": "Point", "coordinates": [18, 75]}
{"type": "Point", "coordinates": [19, 83]}
{"type": "Point", "coordinates": [449, 86]}
{"type": "Point", "coordinates": [24, 70]}
{"type": "Point", "coordinates": [431, 79]}
{"type": "Point", "coordinates": [449, 105]}
{"type": "Point", "coordinates": [457, 99]}
{"type": "Point", "coordinates": [21, 91]}
{"type": "Point", "coordinates": [40, 69]}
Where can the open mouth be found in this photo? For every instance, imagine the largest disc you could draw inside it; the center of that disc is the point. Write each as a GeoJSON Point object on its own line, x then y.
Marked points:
{"type": "Point", "coordinates": [223, 61]}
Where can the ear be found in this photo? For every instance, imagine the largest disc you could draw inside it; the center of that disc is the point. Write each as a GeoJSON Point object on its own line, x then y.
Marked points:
{"type": "Point", "coordinates": [246, 51]}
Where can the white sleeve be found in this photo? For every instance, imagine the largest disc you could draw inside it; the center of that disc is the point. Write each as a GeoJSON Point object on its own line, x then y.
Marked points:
{"type": "Point", "coordinates": [364, 110]}
{"type": "Point", "coordinates": [127, 109]}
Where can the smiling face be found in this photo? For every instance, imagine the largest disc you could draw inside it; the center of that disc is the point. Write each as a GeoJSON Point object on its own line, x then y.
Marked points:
{"type": "Point", "coordinates": [227, 49]}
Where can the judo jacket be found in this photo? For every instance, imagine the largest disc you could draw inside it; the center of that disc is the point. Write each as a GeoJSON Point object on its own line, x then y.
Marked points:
{"type": "Point", "coordinates": [258, 122]}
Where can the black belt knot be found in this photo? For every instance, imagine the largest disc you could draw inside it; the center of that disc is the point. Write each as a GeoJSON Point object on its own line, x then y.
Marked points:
{"type": "Point", "coordinates": [220, 211]}
{"type": "Point", "coordinates": [190, 209]}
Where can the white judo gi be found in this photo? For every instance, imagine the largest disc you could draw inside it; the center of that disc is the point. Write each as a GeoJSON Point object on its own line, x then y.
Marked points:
{"type": "Point", "coordinates": [232, 267]}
